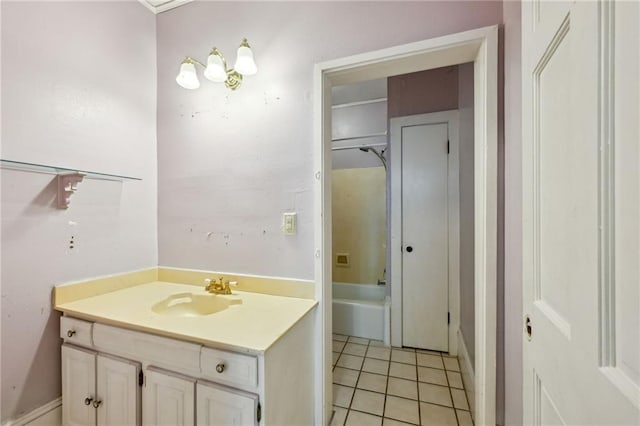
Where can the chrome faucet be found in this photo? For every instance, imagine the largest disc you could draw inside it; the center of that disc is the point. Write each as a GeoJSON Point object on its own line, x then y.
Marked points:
{"type": "Point", "coordinates": [218, 286]}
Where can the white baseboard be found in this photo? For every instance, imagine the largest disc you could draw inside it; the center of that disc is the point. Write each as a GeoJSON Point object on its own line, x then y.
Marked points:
{"type": "Point", "coordinates": [466, 370]}
{"type": "Point", "coordinates": [50, 414]}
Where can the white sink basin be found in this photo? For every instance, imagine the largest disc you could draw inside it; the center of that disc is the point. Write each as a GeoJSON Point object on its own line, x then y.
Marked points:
{"type": "Point", "coordinates": [193, 305]}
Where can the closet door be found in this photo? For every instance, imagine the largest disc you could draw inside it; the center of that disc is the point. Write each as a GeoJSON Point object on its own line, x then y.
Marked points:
{"type": "Point", "coordinates": [168, 399]}
{"type": "Point", "coordinates": [78, 386]}
{"type": "Point", "coordinates": [118, 392]}
{"type": "Point", "coordinates": [223, 406]}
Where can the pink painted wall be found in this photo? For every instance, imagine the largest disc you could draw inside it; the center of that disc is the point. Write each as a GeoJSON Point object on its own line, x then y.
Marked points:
{"type": "Point", "coordinates": [231, 162]}
{"type": "Point", "coordinates": [78, 90]}
{"type": "Point", "coordinates": [513, 215]}
{"type": "Point", "coordinates": [423, 92]}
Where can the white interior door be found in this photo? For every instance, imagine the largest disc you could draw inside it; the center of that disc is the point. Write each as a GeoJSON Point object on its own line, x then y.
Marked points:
{"type": "Point", "coordinates": [581, 206]}
{"type": "Point", "coordinates": [78, 386]}
{"type": "Point", "coordinates": [168, 399]}
{"type": "Point", "coordinates": [118, 392]}
{"type": "Point", "coordinates": [425, 259]}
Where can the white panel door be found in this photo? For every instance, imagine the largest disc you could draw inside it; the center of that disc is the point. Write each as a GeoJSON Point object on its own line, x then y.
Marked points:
{"type": "Point", "coordinates": [78, 386]}
{"type": "Point", "coordinates": [118, 392]}
{"type": "Point", "coordinates": [581, 207]}
{"type": "Point", "coordinates": [221, 406]}
{"type": "Point", "coordinates": [167, 399]}
{"type": "Point", "coordinates": [425, 258]}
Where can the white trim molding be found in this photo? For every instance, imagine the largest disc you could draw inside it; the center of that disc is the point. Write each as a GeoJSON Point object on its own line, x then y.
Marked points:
{"type": "Point", "coordinates": [479, 46]}
{"type": "Point", "coordinates": [466, 370]}
{"type": "Point", "coordinates": [49, 414]}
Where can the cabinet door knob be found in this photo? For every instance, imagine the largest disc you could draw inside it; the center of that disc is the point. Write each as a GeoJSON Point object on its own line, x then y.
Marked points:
{"type": "Point", "coordinates": [96, 404]}
{"type": "Point", "coordinates": [70, 333]}
{"type": "Point", "coordinates": [220, 367]}
{"type": "Point", "coordinates": [87, 401]}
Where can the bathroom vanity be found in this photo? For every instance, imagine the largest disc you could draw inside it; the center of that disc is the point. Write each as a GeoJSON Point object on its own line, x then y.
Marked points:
{"type": "Point", "coordinates": [171, 354]}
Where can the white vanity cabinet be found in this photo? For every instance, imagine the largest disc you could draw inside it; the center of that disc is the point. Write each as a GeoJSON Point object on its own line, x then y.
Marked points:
{"type": "Point", "coordinates": [117, 376]}
{"type": "Point", "coordinates": [98, 389]}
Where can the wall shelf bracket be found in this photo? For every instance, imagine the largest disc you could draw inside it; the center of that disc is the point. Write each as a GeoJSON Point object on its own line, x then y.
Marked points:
{"type": "Point", "coordinates": [67, 185]}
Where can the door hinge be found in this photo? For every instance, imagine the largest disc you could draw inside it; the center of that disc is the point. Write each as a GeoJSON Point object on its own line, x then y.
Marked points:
{"type": "Point", "coordinates": [259, 413]}
{"type": "Point", "coordinates": [448, 317]}
{"type": "Point", "coordinates": [140, 378]}
{"type": "Point", "coordinates": [447, 147]}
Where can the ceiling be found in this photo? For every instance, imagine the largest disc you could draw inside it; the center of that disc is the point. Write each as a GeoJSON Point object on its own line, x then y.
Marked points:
{"type": "Point", "coordinates": [157, 6]}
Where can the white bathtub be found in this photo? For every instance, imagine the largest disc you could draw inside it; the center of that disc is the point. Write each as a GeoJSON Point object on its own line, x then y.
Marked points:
{"type": "Point", "coordinates": [359, 310]}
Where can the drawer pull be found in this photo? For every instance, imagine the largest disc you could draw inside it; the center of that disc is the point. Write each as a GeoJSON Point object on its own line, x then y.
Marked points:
{"type": "Point", "coordinates": [70, 333]}
{"type": "Point", "coordinates": [87, 401]}
{"type": "Point", "coordinates": [220, 367]}
{"type": "Point", "coordinates": [96, 404]}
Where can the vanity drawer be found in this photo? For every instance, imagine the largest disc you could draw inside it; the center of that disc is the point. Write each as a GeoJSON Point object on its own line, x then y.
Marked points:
{"type": "Point", "coordinates": [76, 331]}
{"type": "Point", "coordinates": [230, 368]}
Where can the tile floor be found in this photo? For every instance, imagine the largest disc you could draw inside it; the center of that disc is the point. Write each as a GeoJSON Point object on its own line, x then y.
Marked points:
{"type": "Point", "coordinates": [374, 384]}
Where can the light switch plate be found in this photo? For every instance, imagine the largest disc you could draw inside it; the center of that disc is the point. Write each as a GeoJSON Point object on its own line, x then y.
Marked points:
{"type": "Point", "coordinates": [289, 223]}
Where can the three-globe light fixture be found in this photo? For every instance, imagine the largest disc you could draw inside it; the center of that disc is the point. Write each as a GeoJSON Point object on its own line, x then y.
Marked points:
{"type": "Point", "coordinates": [216, 69]}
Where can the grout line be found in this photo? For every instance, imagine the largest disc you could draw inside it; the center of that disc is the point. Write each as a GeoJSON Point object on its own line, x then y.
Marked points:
{"type": "Point", "coordinates": [355, 388]}
{"type": "Point", "coordinates": [453, 404]}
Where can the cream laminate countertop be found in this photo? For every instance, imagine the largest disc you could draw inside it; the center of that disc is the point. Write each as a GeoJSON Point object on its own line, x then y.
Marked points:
{"type": "Point", "coordinates": [250, 326]}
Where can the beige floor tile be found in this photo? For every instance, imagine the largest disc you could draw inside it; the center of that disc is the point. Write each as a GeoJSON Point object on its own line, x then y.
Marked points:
{"type": "Point", "coordinates": [403, 388]}
{"type": "Point", "coordinates": [354, 349]}
{"type": "Point", "coordinates": [435, 415]}
{"type": "Point", "coordinates": [401, 409]}
{"type": "Point", "coordinates": [404, 371]}
{"type": "Point", "coordinates": [339, 416]}
{"type": "Point", "coordinates": [424, 351]}
{"type": "Point", "coordinates": [403, 356]}
{"type": "Point", "coordinates": [432, 361]}
{"type": "Point", "coordinates": [432, 375]}
{"type": "Point", "coordinates": [459, 399]}
{"type": "Point", "coordinates": [356, 418]}
{"type": "Point", "coordinates": [379, 352]}
{"type": "Point", "coordinates": [455, 380]}
{"type": "Point", "coordinates": [451, 364]}
{"type": "Point", "coordinates": [377, 343]}
{"type": "Point", "coordinates": [434, 394]}
{"type": "Point", "coordinates": [340, 337]}
{"type": "Point", "coordinates": [335, 355]}
{"type": "Point", "coordinates": [464, 418]}
{"type": "Point", "coordinates": [342, 395]}
{"type": "Point", "coordinates": [350, 361]}
{"type": "Point", "coordinates": [343, 376]}
{"type": "Point", "coordinates": [337, 346]}
{"type": "Point", "coordinates": [375, 366]}
{"type": "Point", "coordinates": [358, 340]}
{"type": "Point", "coordinates": [391, 422]}
{"type": "Point", "coordinates": [368, 402]}
{"type": "Point", "coordinates": [372, 382]}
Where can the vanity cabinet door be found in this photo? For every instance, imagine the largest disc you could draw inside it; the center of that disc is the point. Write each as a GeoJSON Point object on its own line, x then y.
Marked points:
{"type": "Point", "coordinates": [78, 386]}
{"type": "Point", "coordinates": [222, 406]}
{"type": "Point", "coordinates": [118, 392]}
{"type": "Point", "coordinates": [168, 399]}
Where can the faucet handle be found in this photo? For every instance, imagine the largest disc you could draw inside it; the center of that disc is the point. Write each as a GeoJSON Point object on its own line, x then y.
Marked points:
{"type": "Point", "coordinates": [207, 281]}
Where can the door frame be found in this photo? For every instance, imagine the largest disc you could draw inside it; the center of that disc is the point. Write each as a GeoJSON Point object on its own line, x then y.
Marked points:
{"type": "Point", "coordinates": [451, 118]}
{"type": "Point", "coordinates": [479, 46]}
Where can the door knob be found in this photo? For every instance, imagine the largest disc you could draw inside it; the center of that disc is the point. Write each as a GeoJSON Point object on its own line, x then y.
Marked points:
{"type": "Point", "coordinates": [409, 249]}
{"type": "Point", "coordinates": [220, 367]}
{"type": "Point", "coordinates": [528, 327]}
{"type": "Point", "coordinates": [96, 404]}
{"type": "Point", "coordinates": [70, 333]}
{"type": "Point", "coordinates": [87, 401]}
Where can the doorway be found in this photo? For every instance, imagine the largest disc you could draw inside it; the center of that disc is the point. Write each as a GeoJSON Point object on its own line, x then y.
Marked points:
{"type": "Point", "coordinates": [477, 46]}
